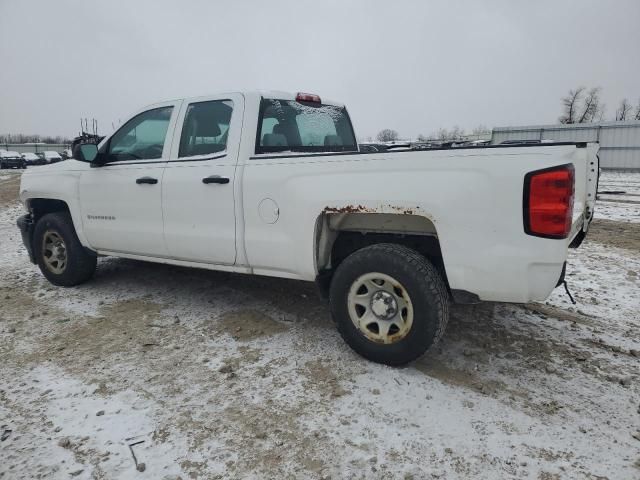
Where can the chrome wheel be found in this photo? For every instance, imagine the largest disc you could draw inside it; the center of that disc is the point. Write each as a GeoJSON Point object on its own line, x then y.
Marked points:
{"type": "Point", "coordinates": [54, 252]}
{"type": "Point", "coordinates": [380, 307]}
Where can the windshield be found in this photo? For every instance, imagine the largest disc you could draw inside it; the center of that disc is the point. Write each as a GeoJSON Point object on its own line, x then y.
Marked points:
{"type": "Point", "coordinates": [290, 126]}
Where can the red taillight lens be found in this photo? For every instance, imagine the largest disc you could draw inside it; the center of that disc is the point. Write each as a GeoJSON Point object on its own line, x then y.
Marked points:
{"type": "Point", "coordinates": [307, 97]}
{"type": "Point", "coordinates": [548, 202]}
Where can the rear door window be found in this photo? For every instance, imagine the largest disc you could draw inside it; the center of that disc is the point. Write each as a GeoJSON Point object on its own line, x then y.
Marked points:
{"type": "Point", "coordinates": [206, 128]}
{"type": "Point", "coordinates": [287, 125]}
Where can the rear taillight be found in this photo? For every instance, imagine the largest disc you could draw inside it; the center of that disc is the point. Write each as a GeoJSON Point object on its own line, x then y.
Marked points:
{"type": "Point", "coordinates": [548, 202]}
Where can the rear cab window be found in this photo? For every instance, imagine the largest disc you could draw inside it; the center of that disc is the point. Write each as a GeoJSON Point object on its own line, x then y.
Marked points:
{"type": "Point", "coordinates": [296, 126]}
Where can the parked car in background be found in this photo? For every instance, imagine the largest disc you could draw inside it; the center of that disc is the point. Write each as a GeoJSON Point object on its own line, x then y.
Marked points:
{"type": "Point", "coordinates": [397, 146]}
{"type": "Point", "coordinates": [66, 154]}
{"type": "Point", "coordinates": [9, 159]}
{"type": "Point", "coordinates": [31, 158]}
{"type": "Point", "coordinates": [480, 143]}
{"type": "Point", "coordinates": [52, 157]}
{"type": "Point", "coordinates": [372, 147]}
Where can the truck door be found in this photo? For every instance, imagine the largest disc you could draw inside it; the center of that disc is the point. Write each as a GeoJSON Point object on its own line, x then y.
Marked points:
{"type": "Point", "coordinates": [198, 184]}
{"type": "Point", "coordinates": [120, 201]}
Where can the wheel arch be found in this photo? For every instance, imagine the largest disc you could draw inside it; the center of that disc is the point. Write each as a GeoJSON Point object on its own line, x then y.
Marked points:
{"type": "Point", "coordinates": [40, 206]}
{"type": "Point", "coordinates": [78, 262]}
{"type": "Point", "coordinates": [339, 234]}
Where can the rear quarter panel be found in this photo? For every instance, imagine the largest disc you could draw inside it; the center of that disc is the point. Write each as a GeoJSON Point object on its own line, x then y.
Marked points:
{"type": "Point", "coordinates": [474, 198]}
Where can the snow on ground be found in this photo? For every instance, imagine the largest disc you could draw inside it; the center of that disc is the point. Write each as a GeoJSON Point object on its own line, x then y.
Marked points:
{"type": "Point", "coordinates": [629, 182]}
{"type": "Point", "coordinates": [618, 211]}
{"type": "Point", "coordinates": [624, 205]}
{"type": "Point", "coordinates": [212, 375]}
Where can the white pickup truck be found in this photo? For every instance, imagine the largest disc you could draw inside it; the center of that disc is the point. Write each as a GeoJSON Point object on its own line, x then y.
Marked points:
{"type": "Point", "coordinates": [271, 183]}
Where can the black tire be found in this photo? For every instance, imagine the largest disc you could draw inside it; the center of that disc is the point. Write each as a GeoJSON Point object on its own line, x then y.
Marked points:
{"type": "Point", "coordinates": [80, 265]}
{"type": "Point", "coordinates": [421, 281]}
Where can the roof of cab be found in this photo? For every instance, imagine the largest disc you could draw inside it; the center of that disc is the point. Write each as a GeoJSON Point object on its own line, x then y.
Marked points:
{"type": "Point", "coordinates": [248, 94]}
{"type": "Point", "coordinates": [281, 95]}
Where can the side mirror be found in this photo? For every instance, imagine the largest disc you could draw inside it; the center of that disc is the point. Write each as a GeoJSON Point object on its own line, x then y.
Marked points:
{"type": "Point", "coordinates": [85, 152]}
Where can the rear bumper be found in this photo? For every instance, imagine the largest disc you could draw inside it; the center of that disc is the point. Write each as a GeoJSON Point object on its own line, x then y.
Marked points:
{"type": "Point", "coordinates": [578, 239]}
{"type": "Point", "coordinates": [469, 298]}
{"type": "Point", "coordinates": [562, 274]}
{"type": "Point", "coordinates": [25, 224]}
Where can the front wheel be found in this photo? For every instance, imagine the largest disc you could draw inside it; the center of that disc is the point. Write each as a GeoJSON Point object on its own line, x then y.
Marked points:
{"type": "Point", "coordinates": [60, 255]}
{"type": "Point", "coordinates": [389, 302]}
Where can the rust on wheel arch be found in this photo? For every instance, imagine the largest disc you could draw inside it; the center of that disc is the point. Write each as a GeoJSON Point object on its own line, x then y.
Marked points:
{"type": "Point", "coordinates": [362, 209]}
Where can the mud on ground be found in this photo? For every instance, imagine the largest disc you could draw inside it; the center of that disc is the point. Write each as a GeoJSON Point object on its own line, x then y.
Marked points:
{"type": "Point", "coordinates": [212, 375]}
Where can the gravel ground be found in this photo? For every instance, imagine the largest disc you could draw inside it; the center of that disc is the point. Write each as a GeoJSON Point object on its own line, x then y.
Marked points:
{"type": "Point", "coordinates": [158, 372]}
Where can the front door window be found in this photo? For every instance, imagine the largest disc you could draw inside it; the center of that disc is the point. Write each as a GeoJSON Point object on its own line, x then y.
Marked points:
{"type": "Point", "coordinates": [142, 137]}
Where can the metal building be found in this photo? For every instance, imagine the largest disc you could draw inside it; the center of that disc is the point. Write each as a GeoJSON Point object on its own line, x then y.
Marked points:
{"type": "Point", "coordinates": [619, 141]}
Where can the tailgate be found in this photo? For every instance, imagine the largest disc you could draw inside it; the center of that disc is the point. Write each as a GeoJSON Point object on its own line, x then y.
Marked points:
{"type": "Point", "coordinates": [586, 164]}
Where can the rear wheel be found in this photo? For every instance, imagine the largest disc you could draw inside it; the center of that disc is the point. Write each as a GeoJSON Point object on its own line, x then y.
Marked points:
{"type": "Point", "coordinates": [60, 255]}
{"type": "Point", "coordinates": [389, 302]}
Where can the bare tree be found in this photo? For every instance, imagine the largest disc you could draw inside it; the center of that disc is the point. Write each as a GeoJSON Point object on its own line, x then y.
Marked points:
{"type": "Point", "coordinates": [624, 110]}
{"type": "Point", "coordinates": [481, 130]}
{"type": "Point", "coordinates": [582, 108]}
{"type": "Point", "coordinates": [23, 138]}
{"type": "Point", "coordinates": [443, 134]}
{"type": "Point", "coordinates": [591, 108]}
{"type": "Point", "coordinates": [456, 133]}
{"type": "Point", "coordinates": [387, 135]}
{"type": "Point", "coordinates": [637, 113]}
{"type": "Point", "coordinates": [570, 105]}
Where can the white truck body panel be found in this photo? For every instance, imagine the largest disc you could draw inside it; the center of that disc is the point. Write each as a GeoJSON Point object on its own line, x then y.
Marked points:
{"type": "Point", "coordinates": [470, 196]}
{"type": "Point", "coordinates": [207, 214]}
{"type": "Point", "coordinates": [133, 221]}
{"type": "Point", "coordinates": [266, 220]}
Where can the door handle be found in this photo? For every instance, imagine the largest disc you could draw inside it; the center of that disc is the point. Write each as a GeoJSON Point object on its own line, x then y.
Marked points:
{"type": "Point", "coordinates": [149, 180]}
{"type": "Point", "coordinates": [215, 179]}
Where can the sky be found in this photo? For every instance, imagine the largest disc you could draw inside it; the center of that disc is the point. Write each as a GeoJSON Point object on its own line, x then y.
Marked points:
{"type": "Point", "coordinates": [411, 65]}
